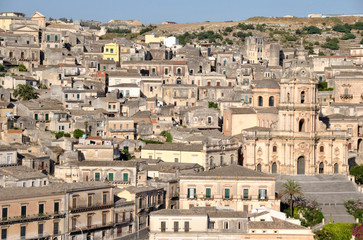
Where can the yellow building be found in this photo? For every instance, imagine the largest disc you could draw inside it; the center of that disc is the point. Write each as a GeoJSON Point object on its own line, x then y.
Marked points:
{"type": "Point", "coordinates": [153, 38]}
{"type": "Point", "coordinates": [111, 51]}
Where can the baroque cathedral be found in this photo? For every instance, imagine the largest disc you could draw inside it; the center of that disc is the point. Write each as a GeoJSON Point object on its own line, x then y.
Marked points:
{"type": "Point", "coordinates": [298, 143]}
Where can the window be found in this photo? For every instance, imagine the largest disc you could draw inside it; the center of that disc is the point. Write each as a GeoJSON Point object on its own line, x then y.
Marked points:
{"type": "Point", "coordinates": [302, 125]}
{"type": "Point", "coordinates": [104, 198]}
{"type": "Point", "coordinates": [302, 97]}
{"type": "Point", "coordinates": [191, 193]}
{"type": "Point", "coordinates": [211, 225]}
{"type": "Point", "coordinates": [208, 193]}
{"type": "Point", "coordinates": [163, 226]}
{"type": "Point", "coordinates": [111, 50]}
{"type": "Point", "coordinates": [74, 202]}
{"type": "Point", "coordinates": [97, 176]}
{"type": "Point", "coordinates": [274, 149]}
{"type": "Point", "coordinates": [221, 160]}
{"type": "Point", "coordinates": [40, 229]}
{"type": "Point", "coordinates": [56, 38]}
{"type": "Point", "coordinates": [259, 167]}
{"type": "Point", "coordinates": [260, 101]}
{"type": "Point", "coordinates": [89, 220]}
{"type": "Point", "coordinates": [262, 194]}
{"type": "Point", "coordinates": [271, 101]}
{"type": "Point", "coordinates": [106, 49]}
{"type": "Point", "coordinates": [186, 226]}
{"type": "Point", "coordinates": [48, 38]}
{"type": "Point", "coordinates": [226, 225]}
{"type": "Point", "coordinates": [22, 232]}
{"type": "Point", "coordinates": [36, 117]}
{"type": "Point", "coordinates": [23, 211]}
{"type": "Point", "coordinates": [321, 149]}
{"type": "Point", "coordinates": [226, 193]}
{"type": "Point", "coordinates": [153, 70]}
{"type": "Point", "coordinates": [4, 214]}
{"type": "Point", "coordinates": [4, 233]}
{"type": "Point", "coordinates": [209, 120]}
{"type": "Point", "coordinates": [245, 193]}
{"type": "Point", "coordinates": [104, 218]}
{"type": "Point", "coordinates": [176, 226]}
{"type": "Point", "coordinates": [125, 177]}
{"type": "Point", "coordinates": [90, 198]}
{"type": "Point", "coordinates": [232, 159]}
{"type": "Point", "coordinates": [74, 223]}
{"type": "Point", "coordinates": [46, 117]}
{"type": "Point", "coordinates": [56, 207]}
{"type": "Point", "coordinates": [178, 71]}
{"type": "Point", "coordinates": [110, 177]}
{"type": "Point", "coordinates": [41, 208]}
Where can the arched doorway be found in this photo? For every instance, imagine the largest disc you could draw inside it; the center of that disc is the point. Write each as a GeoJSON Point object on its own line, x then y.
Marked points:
{"type": "Point", "coordinates": [258, 167]}
{"type": "Point", "coordinates": [301, 165]}
{"type": "Point", "coordinates": [336, 168]}
{"type": "Point", "coordinates": [274, 168]}
{"type": "Point", "coordinates": [321, 167]}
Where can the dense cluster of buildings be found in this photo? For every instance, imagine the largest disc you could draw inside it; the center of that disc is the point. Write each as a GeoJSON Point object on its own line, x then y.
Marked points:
{"type": "Point", "coordinates": [178, 142]}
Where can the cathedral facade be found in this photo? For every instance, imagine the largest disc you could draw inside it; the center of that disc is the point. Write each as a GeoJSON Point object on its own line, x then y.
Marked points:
{"type": "Point", "coordinates": [298, 143]}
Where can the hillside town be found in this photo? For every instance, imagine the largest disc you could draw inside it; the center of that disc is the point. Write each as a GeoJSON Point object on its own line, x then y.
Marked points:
{"type": "Point", "coordinates": [121, 131]}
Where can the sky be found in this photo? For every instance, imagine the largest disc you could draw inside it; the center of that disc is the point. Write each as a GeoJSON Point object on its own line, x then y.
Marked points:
{"type": "Point", "coordinates": [182, 11]}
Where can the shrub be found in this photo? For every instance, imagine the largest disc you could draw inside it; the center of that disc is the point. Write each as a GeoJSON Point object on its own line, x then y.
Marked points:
{"type": "Point", "coordinates": [2, 68]}
{"type": "Point", "coordinates": [228, 29]}
{"type": "Point", "coordinates": [361, 41]}
{"type": "Point", "coordinates": [312, 30]}
{"type": "Point", "coordinates": [358, 25]}
{"type": "Point", "coordinates": [290, 38]}
{"type": "Point", "coordinates": [78, 133]}
{"type": "Point", "coordinates": [331, 43]}
{"type": "Point", "coordinates": [348, 36]}
{"type": "Point", "coordinates": [342, 28]}
{"type": "Point", "coordinates": [21, 68]}
{"type": "Point", "coordinates": [147, 29]}
{"type": "Point", "coordinates": [339, 231]}
{"type": "Point", "coordinates": [358, 232]}
{"type": "Point", "coordinates": [212, 105]}
{"type": "Point", "coordinates": [118, 30]}
{"type": "Point", "coordinates": [147, 141]}
{"type": "Point", "coordinates": [308, 212]}
{"type": "Point", "coordinates": [298, 31]}
{"type": "Point", "coordinates": [355, 208]}
{"type": "Point", "coordinates": [321, 54]}
{"type": "Point", "coordinates": [169, 137]}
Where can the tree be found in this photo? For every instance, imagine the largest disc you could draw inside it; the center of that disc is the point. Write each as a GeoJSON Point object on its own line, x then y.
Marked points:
{"type": "Point", "coordinates": [312, 30]}
{"type": "Point", "coordinates": [292, 189]}
{"type": "Point", "coordinates": [2, 68]}
{"type": "Point", "coordinates": [78, 133]}
{"type": "Point", "coordinates": [348, 36]}
{"type": "Point", "coordinates": [357, 172]}
{"type": "Point", "coordinates": [25, 92]}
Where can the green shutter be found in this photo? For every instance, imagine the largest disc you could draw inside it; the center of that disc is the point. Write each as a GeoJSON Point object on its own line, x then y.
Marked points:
{"type": "Point", "coordinates": [110, 177]}
{"type": "Point", "coordinates": [226, 193]}
{"type": "Point", "coordinates": [208, 193]}
{"type": "Point", "coordinates": [97, 176]}
{"type": "Point", "coordinates": [56, 207]}
{"type": "Point", "coordinates": [36, 116]}
{"type": "Point", "coordinates": [46, 117]}
{"type": "Point", "coordinates": [125, 177]}
{"type": "Point", "coordinates": [245, 193]}
{"type": "Point", "coordinates": [188, 192]}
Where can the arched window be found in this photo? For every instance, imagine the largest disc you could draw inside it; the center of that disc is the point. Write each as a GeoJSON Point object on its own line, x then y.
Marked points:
{"type": "Point", "coordinates": [259, 167]}
{"type": "Point", "coordinates": [209, 120]}
{"type": "Point", "coordinates": [260, 101]}
{"type": "Point", "coordinates": [274, 149]}
{"type": "Point", "coordinates": [211, 162]}
{"type": "Point", "coordinates": [232, 159]}
{"type": "Point", "coordinates": [321, 149]}
{"type": "Point", "coordinates": [221, 160]}
{"type": "Point", "coordinates": [346, 91]}
{"type": "Point", "coordinates": [274, 168]}
{"type": "Point", "coordinates": [302, 97]}
{"type": "Point", "coordinates": [302, 125]}
{"type": "Point", "coordinates": [271, 101]}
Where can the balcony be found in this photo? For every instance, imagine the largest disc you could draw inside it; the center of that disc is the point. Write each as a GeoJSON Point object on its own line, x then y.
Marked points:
{"type": "Point", "coordinates": [93, 207]}
{"type": "Point", "coordinates": [208, 198]}
{"type": "Point", "coordinates": [30, 218]}
{"type": "Point", "coordinates": [90, 228]}
{"type": "Point", "coordinates": [122, 130]}
{"type": "Point", "coordinates": [346, 96]}
{"type": "Point", "coordinates": [125, 221]}
{"type": "Point", "coordinates": [263, 199]}
{"type": "Point", "coordinates": [120, 182]}
{"type": "Point", "coordinates": [230, 197]}
{"type": "Point", "coordinates": [246, 198]}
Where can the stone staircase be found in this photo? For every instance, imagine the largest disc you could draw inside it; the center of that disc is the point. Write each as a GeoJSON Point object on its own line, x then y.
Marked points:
{"type": "Point", "coordinates": [330, 191]}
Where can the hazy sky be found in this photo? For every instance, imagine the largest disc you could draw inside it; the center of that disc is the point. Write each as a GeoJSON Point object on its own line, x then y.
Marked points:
{"type": "Point", "coordinates": [156, 11]}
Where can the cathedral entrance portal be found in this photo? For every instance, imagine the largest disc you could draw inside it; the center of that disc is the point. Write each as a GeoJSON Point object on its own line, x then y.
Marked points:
{"type": "Point", "coordinates": [301, 165]}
